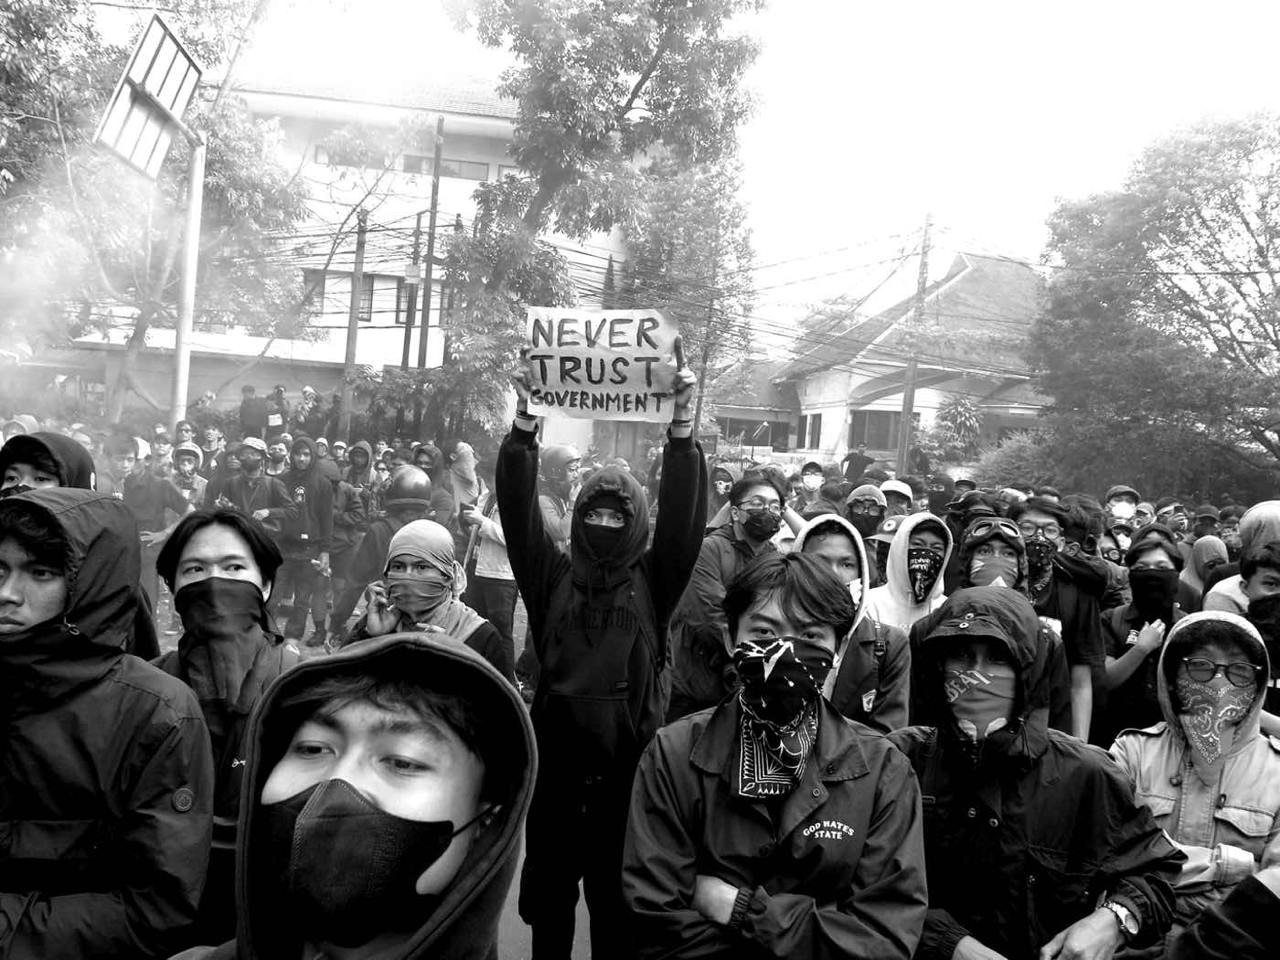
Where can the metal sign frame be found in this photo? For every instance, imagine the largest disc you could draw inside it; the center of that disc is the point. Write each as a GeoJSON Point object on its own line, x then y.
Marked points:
{"type": "Point", "coordinates": [149, 99]}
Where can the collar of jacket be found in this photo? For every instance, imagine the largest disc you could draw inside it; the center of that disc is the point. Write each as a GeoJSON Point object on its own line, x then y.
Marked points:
{"type": "Point", "coordinates": [837, 753]}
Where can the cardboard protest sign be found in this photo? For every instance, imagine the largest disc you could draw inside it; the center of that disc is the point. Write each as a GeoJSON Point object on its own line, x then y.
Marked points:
{"type": "Point", "coordinates": [601, 364]}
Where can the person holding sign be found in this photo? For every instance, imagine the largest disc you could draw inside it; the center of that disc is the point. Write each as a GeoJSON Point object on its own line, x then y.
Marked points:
{"type": "Point", "coordinates": [598, 621]}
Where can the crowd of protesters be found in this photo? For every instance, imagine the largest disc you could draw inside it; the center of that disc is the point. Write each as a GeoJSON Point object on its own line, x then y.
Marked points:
{"type": "Point", "coordinates": [829, 713]}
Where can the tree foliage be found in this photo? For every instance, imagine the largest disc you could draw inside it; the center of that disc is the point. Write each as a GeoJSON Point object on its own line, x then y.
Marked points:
{"type": "Point", "coordinates": [1160, 343]}
{"type": "Point", "coordinates": [693, 259]}
{"type": "Point", "coordinates": [90, 244]}
{"type": "Point", "coordinates": [603, 88]}
{"type": "Point", "coordinates": [1024, 457]}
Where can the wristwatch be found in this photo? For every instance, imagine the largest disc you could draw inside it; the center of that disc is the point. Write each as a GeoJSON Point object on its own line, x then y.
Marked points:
{"type": "Point", "coordinates": [1128, 922]}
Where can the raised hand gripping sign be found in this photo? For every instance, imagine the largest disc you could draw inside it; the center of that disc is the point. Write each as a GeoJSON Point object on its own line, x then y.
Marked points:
{"type": "Point", "coordinates": [601, 364]}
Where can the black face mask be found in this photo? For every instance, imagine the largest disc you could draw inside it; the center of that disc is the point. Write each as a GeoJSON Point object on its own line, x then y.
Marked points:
{"type": "Point", "coordinates": [15, 490]}
{"type": "Point", "coordinates": [602, 541]}
{"type": "Point", "coordinates": [1264, 613]}
{"type": "Point", "coordinates": [781, 677]}
{"type": "Point", "coordinates": [1154, 592]}
{"type": "Point", "coordinates": [347, 868]}
{"type": "Point", "coordinates": [761, 526]}
{"type": "Point", "coordinates": [864, 523]}
{"type": "Point", "coordinates": [923, 567]}
{"type": "Point", "coordinates": [1040, 553]}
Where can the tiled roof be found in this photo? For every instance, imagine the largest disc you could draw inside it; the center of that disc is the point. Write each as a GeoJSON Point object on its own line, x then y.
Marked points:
{"type": "Point", "coordinates": [979, 314]}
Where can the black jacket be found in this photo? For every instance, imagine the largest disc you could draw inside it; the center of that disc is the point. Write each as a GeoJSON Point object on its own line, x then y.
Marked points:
{"type": "Point", "coordinates": [1244, 926]}
{"type": "Point", "coordinates": [1022, 844]}
{"type": "Point", "coordinates": [599, 624]}
{"type": "Point", "coordinates": [841, 874]}
{"type": "Point", "coordinates": [248, 494]}
{"type": "Point", "coordinates": [312, 492]}
{"type": "Point", "coordinates": [106, 779]}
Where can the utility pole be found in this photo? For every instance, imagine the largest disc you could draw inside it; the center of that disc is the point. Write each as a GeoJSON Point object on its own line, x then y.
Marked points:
{"type": "Point", "coordinates": [409, 312]}
{"type": "Point", "coordinates": [909, 380]}
{"type": "Point", "coordinates": [413, 294]}
{"type": "Point", "coordinates": [431, 245]}
{"type": "Point", "coordinates": [187, 304]}
{"type": "Point", "coordinates": [353, 327]}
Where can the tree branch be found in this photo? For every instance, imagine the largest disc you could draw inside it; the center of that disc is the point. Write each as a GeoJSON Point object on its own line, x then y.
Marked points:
{"type": "Point", "coordinates": [645, 75]}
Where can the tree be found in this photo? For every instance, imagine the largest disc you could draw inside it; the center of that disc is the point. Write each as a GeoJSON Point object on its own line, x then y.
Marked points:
{"type": "Point", "coordinates": [955, 433]}
{"type": "Point", "coordinates": [694, 261]}
{"type": "Point", "coordinates": [94, 246]}
{"type": "Point", "coordinates": [1024, 457]}
{"type": "Point", "coordinates": [1160, 343]}
{"type": "Point", "coordinates": [602, 87]}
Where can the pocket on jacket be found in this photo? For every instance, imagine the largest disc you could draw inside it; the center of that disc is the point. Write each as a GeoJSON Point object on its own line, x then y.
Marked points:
{"type": "Point", "coordinates": [1057, 896]}
{"type": "Point", "coordinates": [1244, 827]}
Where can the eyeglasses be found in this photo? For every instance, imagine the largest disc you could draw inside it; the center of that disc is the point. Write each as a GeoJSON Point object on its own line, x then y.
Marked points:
{"type": "Point", "coordinates": [1239, 674]}
{"type": "Point", "coordinates": [758, 505]}
{"type": "Point", "coordinates": [1050, 530]}
{"type": "Point", "coordinates": [985, 525]}
{"type": "Point", "coordinates": [866, 506]}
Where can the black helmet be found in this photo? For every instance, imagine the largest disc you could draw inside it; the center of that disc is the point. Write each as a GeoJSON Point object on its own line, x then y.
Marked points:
{"type": "Point", "coordinates": [554, 461]}
{"type": "Point", "coordinates": [409, 487]}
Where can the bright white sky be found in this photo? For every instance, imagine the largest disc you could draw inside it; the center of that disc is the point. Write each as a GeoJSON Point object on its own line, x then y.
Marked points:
{"type": "Point", "coordinates": [872, 113]}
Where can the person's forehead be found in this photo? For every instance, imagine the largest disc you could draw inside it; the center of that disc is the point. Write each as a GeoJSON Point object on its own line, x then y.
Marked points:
{"type": "Point", "coordinates": [829, 542]}
{"type": "Point", "coordinates": [366, 718]}
{"type": "Point", "coordinates": [216, 541]}
{"type": "Point", "coordinates": [1220, 649]}
{"type": "Point", "coordinates": [764, 491]}
{"type": "Point", "coordinates": [1152, 555]}
{"type": "Point", "coordinates": [12, 550]}
{"type": "Point", "coordinates": [927, 530]}
{"type": "Point", "coordinates": [768, 608]}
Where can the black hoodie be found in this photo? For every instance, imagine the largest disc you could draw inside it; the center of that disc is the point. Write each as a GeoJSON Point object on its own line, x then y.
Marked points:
{"type": "Point", "coordinates": [1023, 836]}
{"type": "Point", "coordinates": [599, 623]}
{"type": "Point", "coordinates": [313, 494]}
{"type": "Point", "coordinates": [106, 780]}
{"type": "Point", "coordinates": [74, 462]}
{"type": "Point", "coordinates": [464, 924]}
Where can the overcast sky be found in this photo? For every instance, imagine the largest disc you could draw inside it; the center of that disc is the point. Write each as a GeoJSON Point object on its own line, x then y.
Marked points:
{"type": "Point", "coordinates": [873, 113]}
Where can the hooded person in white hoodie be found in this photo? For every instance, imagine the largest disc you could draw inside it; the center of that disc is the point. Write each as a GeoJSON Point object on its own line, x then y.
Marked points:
{"type": "Point", "coordinates": [870, 676]}
{"type": "Point", "coordinates": [917, 557]}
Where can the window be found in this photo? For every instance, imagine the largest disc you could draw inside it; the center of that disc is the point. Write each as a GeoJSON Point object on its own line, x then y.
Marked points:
{"type": "Point", "coordinates": [815, 431]}
{"type": "Point", "coordinates": [506, 170]}
{"type": "Point", "coordinates": [461, 169]}
{"type": "Point", "coordinates": [313, 291]}
{"type": "Point", "coordinates": [464, 169]}
{"type": "Point", "coordinates": [365, 310]}
{"type": "Point", "coordinates": [878, 429]}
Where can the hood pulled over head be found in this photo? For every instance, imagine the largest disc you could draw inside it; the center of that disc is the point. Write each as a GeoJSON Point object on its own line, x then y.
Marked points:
{"type": "Point", "coordinates": [1201, 728]}
{"type": "Point", "coordinates": [1006, 617]}
{"type": "Point", "coordinates": [74, 463]}
{"type": "Point", "coordinates": [462, 921]}
{"type": "Point", "coordinates": [601, 570]}
{"type": "Point", "coordinates": [828, 523]}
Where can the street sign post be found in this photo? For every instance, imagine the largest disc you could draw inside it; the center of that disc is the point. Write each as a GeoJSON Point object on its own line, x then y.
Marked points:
{"type": "Point", "coordinates": [137, 126]}
{"type": "Point", "coordinates": [149, 100]}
